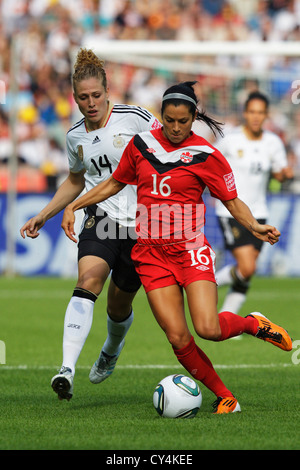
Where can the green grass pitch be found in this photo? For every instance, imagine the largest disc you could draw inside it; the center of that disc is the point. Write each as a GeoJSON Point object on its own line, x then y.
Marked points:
{"type": "Point", "coordinates": [118, 414]}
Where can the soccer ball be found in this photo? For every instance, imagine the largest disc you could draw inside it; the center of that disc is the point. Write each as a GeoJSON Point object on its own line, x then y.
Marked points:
{"type": "Point", "coordinates": [177, 396]}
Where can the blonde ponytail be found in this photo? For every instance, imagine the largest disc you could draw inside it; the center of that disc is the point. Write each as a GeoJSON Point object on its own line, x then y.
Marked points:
{"type": "Point", "coordinates": [88, 65]}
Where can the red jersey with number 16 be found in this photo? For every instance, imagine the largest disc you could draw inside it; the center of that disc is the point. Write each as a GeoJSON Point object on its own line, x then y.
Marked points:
{"type": "Point", "coordinates": [170, 181]}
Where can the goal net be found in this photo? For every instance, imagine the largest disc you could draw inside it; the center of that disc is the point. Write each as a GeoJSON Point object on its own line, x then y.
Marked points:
{"type": "Point", "coordinates": [227, 71]}
{"type": "Point", "coordinates": [140, 71]}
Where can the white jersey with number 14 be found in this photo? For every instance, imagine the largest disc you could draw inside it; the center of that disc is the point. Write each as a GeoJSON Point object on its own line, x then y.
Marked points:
{"type": "Point", "coordinates": [99, 153]}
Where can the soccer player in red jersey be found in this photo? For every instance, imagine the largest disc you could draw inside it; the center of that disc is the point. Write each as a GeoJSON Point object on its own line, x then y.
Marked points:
{"type": "Point", "coordinates": [171, 167]}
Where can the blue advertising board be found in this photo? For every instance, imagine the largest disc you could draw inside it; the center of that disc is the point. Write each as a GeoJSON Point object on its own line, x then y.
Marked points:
{"type": "Point", "coordinates": [53, 254]}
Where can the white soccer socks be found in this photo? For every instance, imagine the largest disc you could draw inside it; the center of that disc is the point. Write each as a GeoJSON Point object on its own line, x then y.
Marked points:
{"type": "Point", "coordinates": [233, 302]}
{"type": "Point", "coordinates": [116, 333]}
{"type": "Point", "coordinates": [77, 325]}
{"type": "Point", "coordinates": [223, 276]}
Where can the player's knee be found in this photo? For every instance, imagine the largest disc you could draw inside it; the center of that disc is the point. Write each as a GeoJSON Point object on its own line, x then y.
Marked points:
{"type": "Point", "coordinates": [241, 281]}
{"type": "Point", "coordinates": [248, 271]}
{"type": "Point", "coordinates": [208, 331]}
{"type": "Point", "coordinates": [89, 283]}
{"type": "Point", "coordinates": [178, 340]}
{"type": "Point", "coordinates": [119, 303]}
{"type": "Point", "coordinates": [118, 313]}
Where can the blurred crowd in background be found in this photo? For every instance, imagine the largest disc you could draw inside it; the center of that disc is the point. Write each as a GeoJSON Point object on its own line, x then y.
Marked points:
{"type": "Point", "coordinates": [47, 32]}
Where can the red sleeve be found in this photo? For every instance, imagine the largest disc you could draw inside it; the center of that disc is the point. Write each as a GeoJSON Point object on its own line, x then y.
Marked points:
{"type": "Point", "coordinates": [218, 177]}
{"type": "Point", "coordinates": [126, 169]}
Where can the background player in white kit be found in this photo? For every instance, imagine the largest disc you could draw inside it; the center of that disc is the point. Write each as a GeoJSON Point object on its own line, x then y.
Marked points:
{"type": "Point", "coordinates": [254, 155]}
{"type": "Point", "coordinates": [95, 145]}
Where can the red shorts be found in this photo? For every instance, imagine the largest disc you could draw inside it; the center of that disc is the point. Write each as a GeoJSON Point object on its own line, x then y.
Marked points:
{"type": "Point", "coordinates": [165, 265]}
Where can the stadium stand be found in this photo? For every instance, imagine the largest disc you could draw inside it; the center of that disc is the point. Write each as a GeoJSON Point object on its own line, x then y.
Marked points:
{"type": "Point", "coordinates": [48, 30]}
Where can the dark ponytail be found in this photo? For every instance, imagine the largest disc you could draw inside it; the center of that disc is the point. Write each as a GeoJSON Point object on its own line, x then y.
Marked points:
{"type": "Point", "coordinates": [215, 126]}
{"type": "Point", "coordinates": [183, 93]}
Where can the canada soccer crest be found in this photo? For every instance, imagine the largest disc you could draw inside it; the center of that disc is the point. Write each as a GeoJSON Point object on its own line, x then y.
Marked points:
{"type": "Point", "coordinates": [186, 157]}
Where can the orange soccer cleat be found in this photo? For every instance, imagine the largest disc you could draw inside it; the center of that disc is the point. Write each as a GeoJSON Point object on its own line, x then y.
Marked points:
{"type": "Point", "coordinates": [226, 405]}
{"type": "Point", "coordinates": [268, 331]}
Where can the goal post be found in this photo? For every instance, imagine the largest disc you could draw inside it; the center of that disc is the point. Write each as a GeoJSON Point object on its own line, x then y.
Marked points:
{"type": "Point", "coordinates": [192, 48]}
{"type": "Point", "coordinates": [226, 66]}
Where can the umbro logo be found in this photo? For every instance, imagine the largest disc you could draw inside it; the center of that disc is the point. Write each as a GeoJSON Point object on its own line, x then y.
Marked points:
{"type": "Point", "coordinates": [202, 268]}
{"type": "Point", "coordinates": [96, 140]}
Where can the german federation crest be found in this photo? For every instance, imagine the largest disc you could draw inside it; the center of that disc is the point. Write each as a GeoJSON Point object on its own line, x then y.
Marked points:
{"type": "Point", "coordinates": [119, 141]}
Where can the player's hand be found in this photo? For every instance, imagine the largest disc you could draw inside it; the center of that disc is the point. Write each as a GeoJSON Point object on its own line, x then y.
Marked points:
{"type": "Point", "coordinates": [32, 227]}
{"type": "Point", "coordinates": [273, 235]}
{"type": "Point", "coordinates": [267, 233]}
{"type": "Point", "coordinates": [288, 173]}
{"type": "Point", "coordinates": [67, 223]}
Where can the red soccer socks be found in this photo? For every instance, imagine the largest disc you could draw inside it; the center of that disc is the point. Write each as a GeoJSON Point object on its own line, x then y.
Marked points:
{"type": "Point", "coordinates": [234, 325]}
{"type": "Point", "coordinates": [200, 367]}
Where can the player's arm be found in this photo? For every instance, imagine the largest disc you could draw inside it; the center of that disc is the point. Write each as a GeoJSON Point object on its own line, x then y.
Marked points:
{"type": "Point", "coordinates": [241, 212]}
{"type": "Point", "coordinates": [285, 174]}
{"type": "Point", "coordinates": [99, 193]}
{"type": "Point", "coordinates": [281, 170]}
{"type": "Point", "coordinates": [66, 193]}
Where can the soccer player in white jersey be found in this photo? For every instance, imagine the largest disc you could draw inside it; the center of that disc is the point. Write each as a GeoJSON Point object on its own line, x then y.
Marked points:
{"type": "Point", "coordinates": [95, 145]}
{"type": "Point", "coordinates": [254, 154]}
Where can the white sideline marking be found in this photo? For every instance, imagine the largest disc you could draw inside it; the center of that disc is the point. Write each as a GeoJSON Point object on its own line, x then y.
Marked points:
{"type": "Point", "coordinates": [149, 366]}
